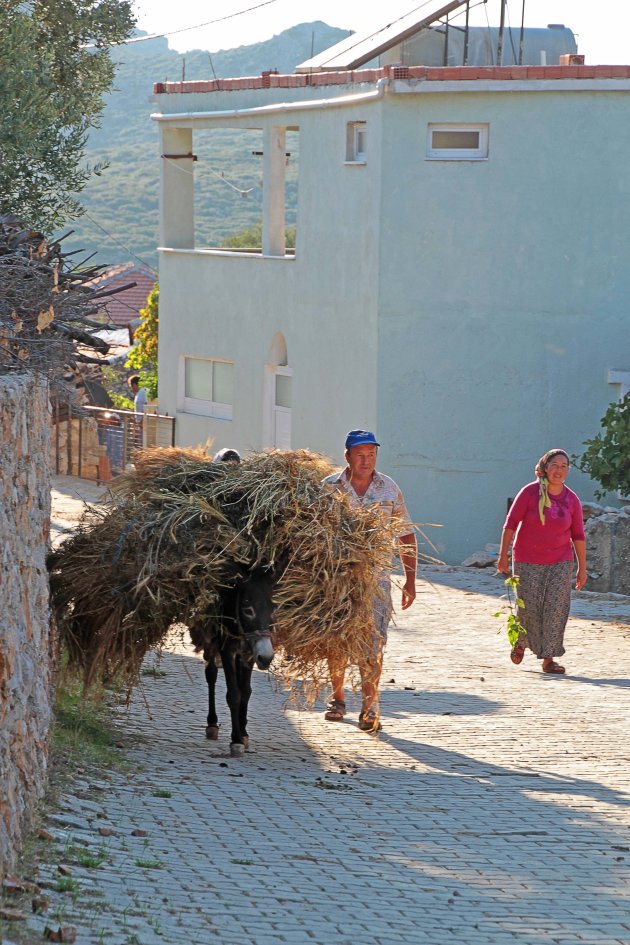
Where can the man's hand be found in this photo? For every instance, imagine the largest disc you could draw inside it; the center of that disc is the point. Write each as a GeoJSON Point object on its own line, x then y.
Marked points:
{"type": "Point", "coordinates": [408, 593]}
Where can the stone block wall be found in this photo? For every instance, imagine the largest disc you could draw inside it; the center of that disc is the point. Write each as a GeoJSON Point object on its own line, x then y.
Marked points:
{"type": "Point", "coordinates": [607, 549]}
{"type": "Point", "coordinates": [77, 448]}
{"type": "Point", "coordinates": [26, 642]}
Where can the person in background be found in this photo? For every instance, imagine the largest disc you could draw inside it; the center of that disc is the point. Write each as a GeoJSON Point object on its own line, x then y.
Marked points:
{"type": "Point", "coordinates": [361, 481]}
{"type": "Point", "coordinates": [546, 518]}
{"type": "Point", "coordinates": [227, 455]}
{"type": "Point", "coordinates": [139, 405]}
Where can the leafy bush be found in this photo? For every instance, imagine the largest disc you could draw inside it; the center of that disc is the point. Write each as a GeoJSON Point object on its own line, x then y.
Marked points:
{"type": "Point", "coordinates": [143, 356]}
{"type": "Point", "coordinates": [607, 455]}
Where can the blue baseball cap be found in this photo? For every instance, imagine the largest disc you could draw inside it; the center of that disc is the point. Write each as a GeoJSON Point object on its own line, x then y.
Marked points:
{"type": "Point", "coordinates": [360, 438]}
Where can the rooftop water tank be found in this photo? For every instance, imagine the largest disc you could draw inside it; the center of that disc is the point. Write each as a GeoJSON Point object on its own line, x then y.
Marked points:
{"type": "Point", "coordinates": [542, 46]}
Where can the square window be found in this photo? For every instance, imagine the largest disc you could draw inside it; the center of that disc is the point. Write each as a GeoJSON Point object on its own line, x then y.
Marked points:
{"type": "Point", "coordinates": [356, 142]}
{"type": "Point", "coordinates": [451, 142]}
{"type": "Point", "coordinates": [207, 387]}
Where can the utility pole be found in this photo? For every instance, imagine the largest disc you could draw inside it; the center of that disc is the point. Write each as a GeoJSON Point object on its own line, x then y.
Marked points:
{"type": "Point", "coordinates": [501, 31]}
{"type": "Point", "coordinates": [466, 30]}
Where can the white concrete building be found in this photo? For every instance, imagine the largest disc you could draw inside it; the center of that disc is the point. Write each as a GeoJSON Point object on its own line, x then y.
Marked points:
{"type": "Point", "coordinates": [460, 282]}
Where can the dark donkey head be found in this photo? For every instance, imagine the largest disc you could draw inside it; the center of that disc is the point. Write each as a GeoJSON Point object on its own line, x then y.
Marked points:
{"type": "Point", "coordinates": [253, 613]}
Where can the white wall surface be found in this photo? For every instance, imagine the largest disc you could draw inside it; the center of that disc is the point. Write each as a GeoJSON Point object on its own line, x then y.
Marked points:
{"type": "Point", "coordinates": [323, 301]}
{"type": "Point", "coordinates": [505, 301]}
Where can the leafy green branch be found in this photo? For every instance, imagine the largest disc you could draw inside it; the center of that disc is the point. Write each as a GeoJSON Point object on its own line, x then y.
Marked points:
{"type": "Point", "coordinates": [607, 456]}
{"type": "Point", "coordinates": [514, 627]}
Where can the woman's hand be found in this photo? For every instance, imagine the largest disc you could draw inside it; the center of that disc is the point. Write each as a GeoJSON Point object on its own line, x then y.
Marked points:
{"type": "Point", "coordinates": [581, 579]}
{"type": "Point", "coordinates": [503, 564]}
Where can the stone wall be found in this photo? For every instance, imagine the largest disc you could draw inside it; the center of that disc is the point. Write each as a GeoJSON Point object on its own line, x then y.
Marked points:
{"type": "Point", "coordinates": [26, 642]}
{"type": "Point", "coordinates": [607, 549]}
{"type": "Point", "coordinates": [77, 448]}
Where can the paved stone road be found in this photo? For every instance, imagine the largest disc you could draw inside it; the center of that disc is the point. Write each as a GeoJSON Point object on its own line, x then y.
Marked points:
{"type": "Point", "coordinates": [494, 808]}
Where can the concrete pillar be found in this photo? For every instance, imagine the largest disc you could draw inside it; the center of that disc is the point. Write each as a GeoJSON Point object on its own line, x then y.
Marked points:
{"type": "Point", "coordinates": [274, 163]}
{"type": "Point", "coordinates": [177, 189]}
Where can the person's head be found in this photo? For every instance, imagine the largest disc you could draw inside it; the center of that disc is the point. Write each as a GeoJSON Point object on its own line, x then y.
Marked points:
{"type": "Point", "coordinates": [227, 455]}
{"type": "Point", "coordinates": [134, 383]}
{"type": "Point", "coordinates": [361, 451]}
{"type": "Point", "coordinates": [553, 466]}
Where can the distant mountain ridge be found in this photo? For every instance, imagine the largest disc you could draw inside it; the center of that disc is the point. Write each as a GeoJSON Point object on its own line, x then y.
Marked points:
{"type": "Point", "coordinates": [121, 220]}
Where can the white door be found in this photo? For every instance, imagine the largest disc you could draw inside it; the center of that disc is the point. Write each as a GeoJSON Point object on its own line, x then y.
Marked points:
{"type": "Point", "coordinates": [282, 408]}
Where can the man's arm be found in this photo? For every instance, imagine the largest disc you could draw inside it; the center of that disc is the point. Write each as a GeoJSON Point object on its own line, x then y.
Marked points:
{"type": "Point", "coordinates": [408, 555]}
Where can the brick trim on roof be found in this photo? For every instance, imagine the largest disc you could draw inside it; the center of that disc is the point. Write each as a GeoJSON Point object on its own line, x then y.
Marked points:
{"type": "Point", "coordinates": [427, 73]}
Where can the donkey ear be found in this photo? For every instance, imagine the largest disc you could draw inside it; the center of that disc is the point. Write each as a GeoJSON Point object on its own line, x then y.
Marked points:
{"type": "Point", "coordinates": [264, 572]}
{"type": "Point", "coordinates": [239, 574]}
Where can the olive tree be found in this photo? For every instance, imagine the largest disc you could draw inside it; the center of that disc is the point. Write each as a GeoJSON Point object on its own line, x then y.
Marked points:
{"type": "Point", "coordinates": [56, 70]}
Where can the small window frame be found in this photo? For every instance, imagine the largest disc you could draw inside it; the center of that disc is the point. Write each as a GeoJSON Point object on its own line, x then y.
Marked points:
{"type": "Point", "coordinates": [479, 153]}
{"type": "Point", "coordinates": [198, 406]}
{"type": "Point", "coordinates": [355, 154]}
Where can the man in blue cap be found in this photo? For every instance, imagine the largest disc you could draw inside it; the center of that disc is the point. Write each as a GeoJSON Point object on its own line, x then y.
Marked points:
{"type": "Point", "coordinates": [361, 481]}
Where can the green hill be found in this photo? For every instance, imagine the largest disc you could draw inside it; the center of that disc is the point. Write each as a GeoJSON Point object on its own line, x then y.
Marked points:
{"type": "Point", "coordinates": [121, 204]}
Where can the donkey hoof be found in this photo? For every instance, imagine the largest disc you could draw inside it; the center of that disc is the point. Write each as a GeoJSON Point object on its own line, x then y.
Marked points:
{"type": "Point", "coordinates": [237, 750]}
{"type": "Point", "coordinates": [245, 742]}
{"type": "Point", "coordinates": [212, 732]}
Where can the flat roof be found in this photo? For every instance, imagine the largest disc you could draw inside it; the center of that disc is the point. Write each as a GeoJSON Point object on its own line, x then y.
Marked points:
{"type": "Point", "coordinates": [436, 74]}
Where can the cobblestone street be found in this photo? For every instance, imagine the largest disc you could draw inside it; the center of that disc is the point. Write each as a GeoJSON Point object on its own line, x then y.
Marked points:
{"type": "Point", "coordinates": [493, 808]}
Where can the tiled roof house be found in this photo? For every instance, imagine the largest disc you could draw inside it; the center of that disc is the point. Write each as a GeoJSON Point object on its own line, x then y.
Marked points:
{"type": "Point", "coordinates": [123, 307]}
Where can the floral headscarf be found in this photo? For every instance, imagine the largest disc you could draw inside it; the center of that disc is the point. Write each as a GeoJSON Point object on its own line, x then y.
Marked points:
{"type": "Point", "coordinates": [544, 502]}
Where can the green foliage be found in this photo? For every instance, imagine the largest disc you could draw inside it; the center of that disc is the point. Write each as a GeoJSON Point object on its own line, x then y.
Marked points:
{"type": "Point", "coordinates": [120, 401]}
{"type": "Point", "coordinates": [252, 238]}
{"type": "Point", "coordinates": [146, 863]}
{"type": "Point", "coordinates": [82, 731]}
{"type": "Point", "coordinates": [514, 627]}
{"type": "Point", "coordinates": [51, 94]}
{"type": "Point", "coordinates": [144, 355]}
{"type": "Point", "coordinates": [607, 455]}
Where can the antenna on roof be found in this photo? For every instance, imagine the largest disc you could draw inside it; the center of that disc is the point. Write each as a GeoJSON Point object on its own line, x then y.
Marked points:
{"type": "Point", "coordinates": [521, 41]}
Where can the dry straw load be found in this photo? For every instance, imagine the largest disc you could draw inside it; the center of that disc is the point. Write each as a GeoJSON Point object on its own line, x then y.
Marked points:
{"type": "Point", "coordinates": [171, 535]}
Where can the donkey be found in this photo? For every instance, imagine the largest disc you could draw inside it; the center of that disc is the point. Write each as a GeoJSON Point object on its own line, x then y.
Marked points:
{"type": "Point", "coordinates": [241, 638]}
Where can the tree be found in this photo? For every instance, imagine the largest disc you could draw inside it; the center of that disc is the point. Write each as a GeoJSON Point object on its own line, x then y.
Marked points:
{"type": "Point", "coordinates": [56, 69]}
{"type": "Point", "coordinates": [607, 456]}
{"type": "Point", "coordinates": [143, 357]}
{"type": "Point", "coordinates": [48, 308]}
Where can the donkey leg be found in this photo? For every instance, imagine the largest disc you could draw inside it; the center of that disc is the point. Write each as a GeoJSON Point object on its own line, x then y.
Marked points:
{"type": "Point", "coordinates": [233, 699]}
{"type": "Point", "coordinates": [212, 727]}
{"type": "Point", "coordinates": [244, 671]}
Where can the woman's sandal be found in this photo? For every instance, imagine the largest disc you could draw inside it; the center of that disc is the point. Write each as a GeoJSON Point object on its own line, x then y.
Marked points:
{"type": "Point", "coordinates": [517, 654]}
{"type": "Point", "coordinates": [368, 721]}
{"type": "Point", "coordinates": [335, 710]}
{"type": "Point", "coordinates": [553, 667]}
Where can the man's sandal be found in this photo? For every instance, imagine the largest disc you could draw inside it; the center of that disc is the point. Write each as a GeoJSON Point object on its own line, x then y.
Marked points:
{"type": "Point", "coordinates": [517, 654]}
{"type": "Point", "coordinates": [368, 721]}
{"type": "Point", "coordinates": [553, 667]}
{"type": "Point", "coordinates": [335, 710]}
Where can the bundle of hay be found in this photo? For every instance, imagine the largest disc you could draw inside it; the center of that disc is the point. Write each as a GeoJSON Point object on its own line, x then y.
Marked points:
{"type": "Point", "coordinates": [172, 535]}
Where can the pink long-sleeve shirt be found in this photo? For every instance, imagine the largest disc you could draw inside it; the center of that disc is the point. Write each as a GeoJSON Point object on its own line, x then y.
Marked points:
{"type": "Point", "coordinates": [536, 543]}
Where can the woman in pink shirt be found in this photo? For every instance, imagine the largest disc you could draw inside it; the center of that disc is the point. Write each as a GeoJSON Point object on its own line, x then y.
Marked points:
{"type": "Point", "coordinates": [546, 518]}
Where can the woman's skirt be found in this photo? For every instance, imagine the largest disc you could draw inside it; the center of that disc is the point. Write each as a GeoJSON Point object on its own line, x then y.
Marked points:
{"type": "Point", "coordinates": [545, 590]}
